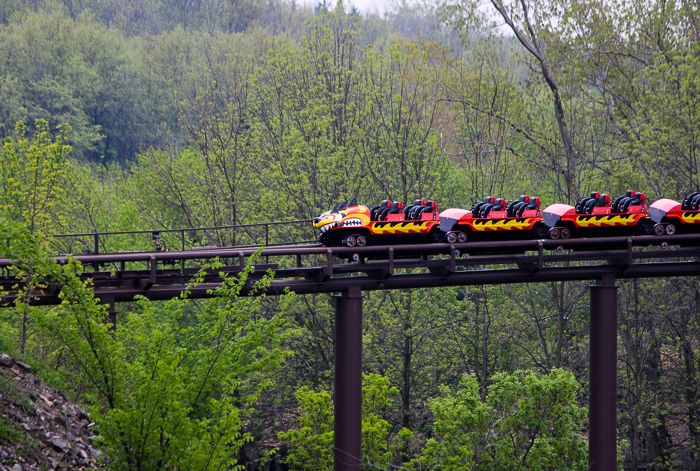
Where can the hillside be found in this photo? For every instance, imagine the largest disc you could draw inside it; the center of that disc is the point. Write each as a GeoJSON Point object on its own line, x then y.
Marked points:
{"type": "Point", "coordinates": [39, 428]}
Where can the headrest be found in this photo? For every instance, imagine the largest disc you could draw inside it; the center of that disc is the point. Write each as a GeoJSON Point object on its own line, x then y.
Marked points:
{"type": "Point", "coordinates": [385, 203]}
{"type": "Point", "coordinates": [605, 198]}
{"type": "Point", "coordinates": [524, 198]}
{"type": "Point", "coordinates": [432, 204]}
{"type": "Point", "coordinates": [489, 199]}
{"type": "Point", "coordinates": [595, 194]}
{"type": "Point", "coordinates": [630, 193]}
{"type": "Point", "coordinates": [535, 200]}
{"type": "Point", "coordinates": [397, 205]}
{"type": "Point", "coordinates": [642, 197]}
{"type": "Point", "coordinates": [500, 202]}
{"type": "Point", "coordinates": [419, 203]}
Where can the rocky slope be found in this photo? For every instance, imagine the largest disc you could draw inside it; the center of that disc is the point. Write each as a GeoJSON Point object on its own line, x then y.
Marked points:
{"type": "Point", "coordinates": [39, 428]}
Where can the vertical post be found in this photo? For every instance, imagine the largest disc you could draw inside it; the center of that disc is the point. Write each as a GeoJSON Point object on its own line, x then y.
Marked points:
{"type": "Point", "coordinates": [347, 454]}
{"type": "Point", "coordinates": [602, 412]}
{"type": "Point", "coordinates": [96, 250]}
{"type": "Point", "coordinates": [267, 241]}
{"type": "Point", "coordinates": [182, 262]}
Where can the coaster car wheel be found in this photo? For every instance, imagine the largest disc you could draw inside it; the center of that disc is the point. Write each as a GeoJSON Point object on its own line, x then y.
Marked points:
{"type": "Point", "coordinates": [356, 257]}
{"type": "Point", "coordinates": [461, 237]}
{"type": "Point", "coordinates": [554, 233]}
{"type": "Point", "coordinates": [351, 241]}
{"type": "Point", "coordinates": [565, 232]}
{"type": "Point", "coordinates": [451, 237]}
{"type": "Point", "coordinates": [361, 241]}
{"type": "Point", "coordinates": [670, 229]}
{"type": "Point", "coordinates": [659, 229]}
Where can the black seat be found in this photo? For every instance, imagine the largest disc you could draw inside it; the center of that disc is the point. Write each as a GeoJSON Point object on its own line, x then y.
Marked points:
{"type": "Point", "coordinates": [582, 204]}
{"type": "Point", "coordinates": [686, 205]}
{"type": "Point", "coordinates": [396, 208]}
{"type": "Point", "coordinates": [498, 205]}
{"type": "Point", "coordinates": [511, 210]}
{"type": "Point", "coordinates": [478, 208]}
{"type": "Point", "coordinates": [695, 204]}
{"type": "Point", "coordinates": [409, 211]}
{"type": "Point", "coordinates": [377, 211]}
{"type": "Point", "coordinates": [430, 207]}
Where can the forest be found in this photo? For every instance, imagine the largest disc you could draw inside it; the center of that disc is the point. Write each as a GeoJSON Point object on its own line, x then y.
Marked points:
{"type": "Point", "coordinates": [123, 115]}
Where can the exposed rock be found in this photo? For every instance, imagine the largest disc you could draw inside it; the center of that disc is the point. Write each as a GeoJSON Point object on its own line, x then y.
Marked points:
{"type": "Point", "coordinates": [50, 432]}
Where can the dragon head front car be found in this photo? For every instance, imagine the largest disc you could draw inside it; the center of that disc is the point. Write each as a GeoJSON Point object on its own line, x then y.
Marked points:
{"type": "Point", "coordinates": [343, 215]}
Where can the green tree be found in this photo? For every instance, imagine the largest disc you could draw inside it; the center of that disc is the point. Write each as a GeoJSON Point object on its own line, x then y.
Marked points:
{"type": "Point", "coordinates": [171, 386]}
{"type": "Point", "coordinates": [311, 444]}
{"type": "Point", "coordinates": [31, 171]}
{"type": "Point", "coordinates": [526, 421]}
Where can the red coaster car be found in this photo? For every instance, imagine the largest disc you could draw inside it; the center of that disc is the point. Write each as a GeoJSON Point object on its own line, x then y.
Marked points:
{"type": "Point", "coordinates": [597, 216]}
{"type": "Point", "coordinates": [494, 219]}
{"type": "Point", "coordinates": [670, 216]}
{"type": "Point", "coordinates": [388, 223]}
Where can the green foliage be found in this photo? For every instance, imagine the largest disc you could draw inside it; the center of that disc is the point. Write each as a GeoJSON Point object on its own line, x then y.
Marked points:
{"type": "Point", "coordinates": [311, 445]}
{"type": "Point", "coordinates": [170, 387]}
{"type": "Point", "coordinates": [524, 421]}
{"type": "Point", "coordinates": [30, 175]}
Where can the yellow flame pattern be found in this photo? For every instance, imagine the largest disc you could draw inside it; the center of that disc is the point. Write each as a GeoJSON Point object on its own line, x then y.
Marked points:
{"type": "Point", "coordinates": [608, 220]}
{"type": "Point", "coordinates": [402, 227]}
{"type": "Point", "coordinates": [517, 224]}
{"type": "Point", "coordinates": [691, 218]}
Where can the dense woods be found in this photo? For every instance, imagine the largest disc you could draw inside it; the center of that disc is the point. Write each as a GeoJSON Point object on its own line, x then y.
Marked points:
{"type": "Point", "coordinates": [158, 114]}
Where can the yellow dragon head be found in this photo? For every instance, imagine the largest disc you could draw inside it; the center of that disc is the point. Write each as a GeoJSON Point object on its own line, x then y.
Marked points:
{"type": "Point", "coordinates": [342, 215]}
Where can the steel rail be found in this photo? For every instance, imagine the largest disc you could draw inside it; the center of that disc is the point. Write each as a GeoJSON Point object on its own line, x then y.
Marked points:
{"type": "Point", "coordinates": [190, 229]}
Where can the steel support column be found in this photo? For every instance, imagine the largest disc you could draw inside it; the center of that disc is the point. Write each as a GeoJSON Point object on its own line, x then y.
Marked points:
{"type": "Point", "coordinates": [348, 381]}
{"type": "Point", "coordinates": [602, 413]}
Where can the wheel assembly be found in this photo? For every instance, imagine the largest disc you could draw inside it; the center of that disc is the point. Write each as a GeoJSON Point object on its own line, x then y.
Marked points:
{"type": "Point", "coordinates": [361, 241]}
{"type": "Point", "coordinates": [554, 233]}
{"type": "Point", "coordinates": [659, 229]}
{"type": "Point", "coordinates": [462, 237]}
{"type": "Point", "coordinates": [451, 237]}
{"type": "Point", "coordinates": [565, 232]}
{"type": "Point", "coordinates": [356, 257]}
{"type": "Point", "coordinates": [351, 241]}
{"type": "Point", "coordinates": [670, 229]}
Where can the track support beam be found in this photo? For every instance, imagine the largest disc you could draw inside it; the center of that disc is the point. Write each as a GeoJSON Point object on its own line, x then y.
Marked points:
{"type": "Point", "coordinates": [347, 450]}
{"type": "Point", "coordinates": [602, 405]}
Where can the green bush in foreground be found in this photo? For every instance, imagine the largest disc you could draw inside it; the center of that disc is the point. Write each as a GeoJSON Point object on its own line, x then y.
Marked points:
{"type": "Point", "coordinates": [525, 422]}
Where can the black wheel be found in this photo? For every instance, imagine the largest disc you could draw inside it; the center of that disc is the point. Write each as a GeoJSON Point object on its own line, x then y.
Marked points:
{"type": "Point", "coordinates": [351, 241]}
{"type": "Point", "coordinates": [361, 241]}
{"type": "Point", "coordinates": [560, 249]}
{"type": "Point", "coordinates": [670, 229]}
{"type": "Point", "coordinates": [451, 237]}
{"type": "Point", "coordinates": [554, 233]}
{"type": "Point", "coordinates": [664, 245]}
{"type": "Point", "coordinates": [356, 256]}
{"type": "Point", "coordinates": [659, 229]}
{"type": "Point", "coordinates": [565, 232]}
{"type": "Point", "coordinates": [462, 237]}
